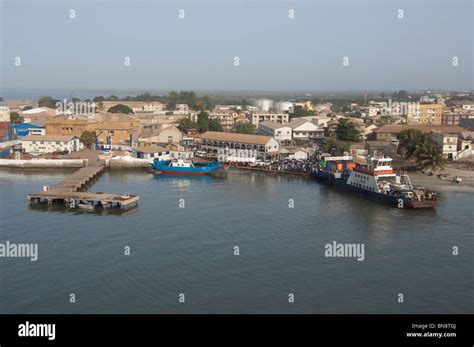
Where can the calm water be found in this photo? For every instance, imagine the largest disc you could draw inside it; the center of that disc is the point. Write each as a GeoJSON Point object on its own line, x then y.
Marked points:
{"type": "Point", "coordinates": [191, 250]}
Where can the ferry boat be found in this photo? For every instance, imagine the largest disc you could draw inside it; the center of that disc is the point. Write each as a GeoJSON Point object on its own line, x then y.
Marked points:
{"type": "Point", "coordinates": [182, 167]}
{"type": "Point", "coordinates": [374, 178]}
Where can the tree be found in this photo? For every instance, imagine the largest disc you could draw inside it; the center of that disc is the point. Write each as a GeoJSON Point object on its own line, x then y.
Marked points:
{"type": "Point", "coordinates": [245, 128]}
{"type": "Point", "coordinates": [120, 109]}
{"type": "Point", "coordinates": [214, 125]}
{"type": "Point", "coordinates": [335, 147]}
{"type": "Point", "coordinates": [15, 118]}
{"type": "Point", "coordinates": [98, 99]}
{"type": "Point", "coordinates": [299, 111]}
{"type": "Point", "coordinates": [186, 124]}
{"type": "Point", "coordinates": [203, 122]}
{"type": "Point", "coordinates": [47, 101]}
{"type": "Point", "coordinates": [429, 155]}
{"type": "Point", "coordinates": [386, 119]}
{"type": "Point", "coordinates": [113, 98]}
{"type": "Point", "coordinates": [409, 139]}
{"type": "Point", "coordinates": [87, 138]}
{"type": "Point", "coordinates": [347, 130]}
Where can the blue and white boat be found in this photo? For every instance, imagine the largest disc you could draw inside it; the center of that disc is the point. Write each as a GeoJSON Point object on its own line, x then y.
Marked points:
{"type": "Point", "coordinates": [184, 167]}
{"type": "Point", "coordinates": [374, 178]}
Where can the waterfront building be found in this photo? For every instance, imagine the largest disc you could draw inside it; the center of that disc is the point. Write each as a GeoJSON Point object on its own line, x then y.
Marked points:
{"type": "Point", "coordinates": [50, 144]}
{"type": "Point", "coordinates": [161, 135]}
{"type": "Point", "coordinates": [69, 125]}
{"type": "Point", "coordinates": [258, 117]}
{"type": "Point", "coordinates": [153, 152]}
{"type": "Point", "coordinates": [278, 131]}
{"type": "Point", "coordinates": [305, 130]}
{"type": "Point", "coordinates": [25, 129]}
{"type": "Point", "coordinates": [121, 126]}
{"type": "Point", "coordinates": [448, 143]}
{"type": "Point", "coordinates": [387, 132]}
{"type": "Point", "coordinates": [218, 143]}
{"type": "Point", "coordinates": [429, 114]}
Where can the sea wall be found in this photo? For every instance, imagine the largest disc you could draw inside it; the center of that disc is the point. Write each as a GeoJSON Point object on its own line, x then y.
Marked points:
{"type": "Point", "coordinates": [127, 161]}
{"type": "Point", "coordinates": [42, 163]}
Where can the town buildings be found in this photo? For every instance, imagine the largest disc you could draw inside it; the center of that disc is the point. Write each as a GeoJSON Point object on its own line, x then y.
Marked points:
{"type": "Point", "coordinates": [305, 130]}
{"type": "Point", "coordinates": [429, 114]}
{"type": "Point", "coordinates": [388, 132]}
{"type": "Point", "coordinates": [219, 143]}
{"type": "Point", "coordinates": [135, 106]}
{"type": "Point", "coordinates": [50, 144]}
{"type": "Point", "coordinates": [258, 117]}
{"type": "Point", "coordinates": [280, 132]}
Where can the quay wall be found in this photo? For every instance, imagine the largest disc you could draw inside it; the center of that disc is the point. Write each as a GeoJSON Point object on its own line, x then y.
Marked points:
{"type": "Point", "coordinates": [294, 173]}
{"type": "Point", "coordinates": [127, 161]}
{"type": "Point", "coordinates": [42, 163]}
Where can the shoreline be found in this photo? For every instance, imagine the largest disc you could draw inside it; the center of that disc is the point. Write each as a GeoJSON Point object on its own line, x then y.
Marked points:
{"type": "Point", "coordinates": [417, 178]}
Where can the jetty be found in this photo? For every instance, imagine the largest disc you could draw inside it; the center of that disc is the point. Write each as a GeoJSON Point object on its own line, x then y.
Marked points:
{"type": "Point", "coordinates": [70, 192]}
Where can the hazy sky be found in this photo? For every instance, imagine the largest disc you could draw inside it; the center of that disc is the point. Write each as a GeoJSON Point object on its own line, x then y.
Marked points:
{"type": "Point", "coordinates": [275, 52]}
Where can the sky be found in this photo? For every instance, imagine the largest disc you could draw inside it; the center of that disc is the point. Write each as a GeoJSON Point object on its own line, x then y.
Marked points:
{"type": "Point", "coordinates": [275, 52]}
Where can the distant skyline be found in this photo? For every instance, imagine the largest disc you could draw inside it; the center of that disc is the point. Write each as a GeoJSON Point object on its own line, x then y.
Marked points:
{"type": "Point", "coordinates": [275, 53]}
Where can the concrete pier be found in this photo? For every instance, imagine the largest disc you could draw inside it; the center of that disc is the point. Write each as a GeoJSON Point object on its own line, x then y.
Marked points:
{"type": "Point", "coordinates": [68, 193]}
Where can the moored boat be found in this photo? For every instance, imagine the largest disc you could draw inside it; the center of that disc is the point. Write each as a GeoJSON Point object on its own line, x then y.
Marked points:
{"type": "Point", "coordinates": [182, 167]}
{"type": "Point", "coordinates": [374, 178]}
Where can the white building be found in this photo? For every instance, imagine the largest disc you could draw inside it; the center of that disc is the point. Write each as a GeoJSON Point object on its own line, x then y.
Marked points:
{"type": "Point", "coordinates": [281, 118]}
{"type": "Point", "coordinates": [305, 130]}
{"type": "Point", "coordinates": [221, 143]}
{"type": "Point", "coordinates": [468, 106]}
{"type": "Point", "coordinates": [278, 131]}
{"type": "Point", "coordinates": [448, 143]}
{"type": "Point", "coordinates": [50, 144]}
{"type": "Point", "coordinates": [4, 113]}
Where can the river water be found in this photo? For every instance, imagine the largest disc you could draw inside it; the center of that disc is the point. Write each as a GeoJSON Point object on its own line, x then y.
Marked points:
{"type": "Point", "coordinates": [191, 250]}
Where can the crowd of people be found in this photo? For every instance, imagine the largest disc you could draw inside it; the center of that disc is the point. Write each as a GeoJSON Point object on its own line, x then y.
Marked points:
{"type": "Point", "coordinates": [283, 165]}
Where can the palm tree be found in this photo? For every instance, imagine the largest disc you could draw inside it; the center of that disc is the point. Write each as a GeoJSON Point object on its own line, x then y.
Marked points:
{"type": "Point", "coordinates": [409, 139]}
{"type": "Point", "coordinates": [429, 156]}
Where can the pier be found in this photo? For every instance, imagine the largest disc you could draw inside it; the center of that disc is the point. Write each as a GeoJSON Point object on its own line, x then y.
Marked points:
{"type": "Point", "coordinates": [69, 192]}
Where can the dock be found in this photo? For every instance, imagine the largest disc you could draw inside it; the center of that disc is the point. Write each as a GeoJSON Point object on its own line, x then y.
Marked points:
{"type": "Point", "coordinates": [70, 192]}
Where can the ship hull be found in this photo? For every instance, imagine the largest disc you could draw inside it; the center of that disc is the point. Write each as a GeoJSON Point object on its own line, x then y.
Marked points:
{"type": "Point", "coordinates": [164, 168]}
{"type": "Point", "coordinates": [399, 202]}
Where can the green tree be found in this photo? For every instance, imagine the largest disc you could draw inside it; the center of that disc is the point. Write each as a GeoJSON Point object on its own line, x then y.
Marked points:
{"type": "Point", "coordinates": [245, 128]}
{"type": "Point", "coordinates": [98, 98]}
{"type": "Point", "coordinates": [429, 155]}
{"type": "Point", "coordinates": [347, 130]}
{"type": "Point", "coordinates": [15, 118]}
{"type": "Point", "coordinates": [386, 119]}
{"type": "Point", "coordinates": [335, 147]}
{"type": "Point", "coordinates": [120, 109]}
{"type": "Point", "coordinates": [299, 111]}
{"type": "Point", "coordinates": [186, 124]}
{"type": "Point", "coordinates": [409, 139]}
{"type": "Point", "coordinates": [113, 98]}
{"type": "Point", "coordinates": [213, 125]}
{"type": "Point", "coordinates": [203, 122]}
{"type": "Point", "coordinates": [87, 138]}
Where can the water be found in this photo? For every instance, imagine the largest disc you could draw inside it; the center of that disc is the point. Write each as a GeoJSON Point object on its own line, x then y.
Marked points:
{"type": "Point", "coordinates": [191, 250]}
